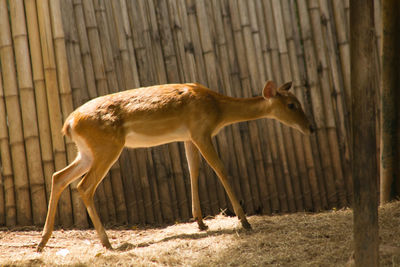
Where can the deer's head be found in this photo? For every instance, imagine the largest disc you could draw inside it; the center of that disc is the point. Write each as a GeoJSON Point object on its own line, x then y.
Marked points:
{"type": "Point", "coordinates": [286, 108]}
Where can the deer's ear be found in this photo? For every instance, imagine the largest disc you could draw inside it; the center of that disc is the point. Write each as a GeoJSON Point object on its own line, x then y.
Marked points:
{"type": "Point", "coordinates": [269, 90]}
{"type": "Point", "coordinates": [286, 86]}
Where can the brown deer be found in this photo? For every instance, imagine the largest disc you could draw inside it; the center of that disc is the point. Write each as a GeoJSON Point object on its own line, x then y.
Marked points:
{"type": "Point", "coordinates": [156, 115]}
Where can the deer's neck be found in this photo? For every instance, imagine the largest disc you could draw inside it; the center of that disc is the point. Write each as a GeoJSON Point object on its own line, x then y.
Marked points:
{"type": "Point", "coordinates": [243, 109]}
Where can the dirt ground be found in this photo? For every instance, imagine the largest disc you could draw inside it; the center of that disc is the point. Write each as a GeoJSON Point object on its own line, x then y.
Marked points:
{"type": "Point", "coordinates": [301, 239]}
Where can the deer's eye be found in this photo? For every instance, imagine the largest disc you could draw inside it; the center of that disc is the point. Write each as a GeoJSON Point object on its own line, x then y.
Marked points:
{"type": "Point", "coordinates": [291, 106]}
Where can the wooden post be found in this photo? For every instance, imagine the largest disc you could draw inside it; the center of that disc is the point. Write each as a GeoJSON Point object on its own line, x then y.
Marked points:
{"type": "Point", "coordinates": [389, 96]}
{"type": "Point", "coordinates": [364, 87]}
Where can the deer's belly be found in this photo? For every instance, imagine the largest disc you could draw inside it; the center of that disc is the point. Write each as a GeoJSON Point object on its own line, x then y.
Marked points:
{"type": "Point", "coordinates": [135, 140]}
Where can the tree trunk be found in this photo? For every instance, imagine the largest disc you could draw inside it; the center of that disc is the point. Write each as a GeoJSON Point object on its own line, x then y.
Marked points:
{"type": "Point", "coordinates": [364, 86]}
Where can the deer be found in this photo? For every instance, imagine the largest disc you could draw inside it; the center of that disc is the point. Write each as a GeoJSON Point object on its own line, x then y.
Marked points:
{"type": "Point", "coordinates": [156, 115]}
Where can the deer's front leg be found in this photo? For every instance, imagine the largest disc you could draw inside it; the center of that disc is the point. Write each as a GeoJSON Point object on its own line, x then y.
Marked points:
{"type": "Point", "coordinates": [204, 144]}
{"type": "Point", "coordinates": [192, 156]}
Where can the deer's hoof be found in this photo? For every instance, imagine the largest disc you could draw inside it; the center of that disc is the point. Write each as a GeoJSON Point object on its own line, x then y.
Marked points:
{"type": "Point", "coordinates": [246, 225]}
{"type": "Point", "coordinates": [202, 226]}
{"type": "Point", "coordinates": [39, 248]}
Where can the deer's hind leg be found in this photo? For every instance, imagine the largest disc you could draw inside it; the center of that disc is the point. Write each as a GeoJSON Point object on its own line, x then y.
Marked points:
{"type": "Point", "coordinates": [60, 181]}
{"type": "Point", "coordinates": [193, 158]}
{"type": "Point", "coordinates": [104, 157]}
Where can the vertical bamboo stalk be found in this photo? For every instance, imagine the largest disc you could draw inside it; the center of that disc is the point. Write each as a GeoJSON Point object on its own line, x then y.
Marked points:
{"type": "Point", "coordinates": [40, 93]}
{"type": "Point", "coordinates": [256, 129]}
{"type": "Point", "coordinates": [274, 166]}
{"type": "Point", "coordinates": [211, 65]}
{"type": "Point", "coordinates": [53, 102]}
{"type": "Point", "coordinates": [337, 93]}
{"type": "Point", "coordinates": [130, 194]}
{"type": "Point", "coordinates": [124, 39]}
{"type": "Point", "coordinates": [116, 83]}
{"type": "Point", "coordinates": [319, 182]}
{"type": "Point", "coordinates": [131, 76]}
{"type": "Point", "coordinates": [147, 176]}
{"type": "Point", "coordinates": [282, 136]}
{"type": "Point", "coordinates": [100, 197]}
{"type": "Point", "coordinates": [272, 144]}
{"type": "Point", "coordinates": [307, 169]}
{"type": "Point", "coordinates": [101, 84]}
{"type": "Point", "coordinates": [342, 34]}
{"type": "Point", "coordinates": [239, 19]}
{"type": "Point", "coordinates": [317, 103]}
{"type": "Point", "coordinates": [28, 109]}
{"type": "Point", "coordinates": [6, 163]}
{"type": "Point", "coordinates": [389, 155]}
{"type": "Point", "coordinates": [236, 161]}
{"type": "Point", "coordinates": [172, 66]}
{"type": "Point", "coordinates": [323, 71]}
{"type": "Point", "coordinates": [109, 68]}
{"type": "Point", "coordinates": [79, 211]}
{"type": "Point", "coordinates": [2, 202]}
{"type": "Point", "coordinates": [285, 42]}
{"type": "Point", "coordinates": [13, 109]}
{"type": "Point", "coordinates": [160, 76]}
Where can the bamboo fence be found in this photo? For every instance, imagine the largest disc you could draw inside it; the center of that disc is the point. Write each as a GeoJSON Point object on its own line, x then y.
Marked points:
{"type": "Point", "coordinates": [56, 55]}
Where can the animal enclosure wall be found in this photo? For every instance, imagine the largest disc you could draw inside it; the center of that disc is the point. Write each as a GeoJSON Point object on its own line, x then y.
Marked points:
{"type": "Point", "coordinates": [56, 55]}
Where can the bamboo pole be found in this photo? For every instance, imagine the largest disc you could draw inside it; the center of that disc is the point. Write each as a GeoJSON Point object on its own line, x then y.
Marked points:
{"type": "Point", "coordinates": [28, 110]}
{"type": "Point", "coordinates": [101, 84]}
{"type": "Point", "coordinates": [314, 155]}
{"type": "Point", "coordinates": [13, 109]}
{"type": "Point", "coordinates": [40, 94]}
{"type": "Point", "coordinates": [6, 163]}
{"type": "Point", "coordinates": [161, 77]}
{"type": "Point", "coordinates": [172, 74]}
{"type": "Point", "coordinates": [279, 57]}
{"type": "Point", "coordinates": [283, 140]}
{"type": "Point", "coordinates": [79, 211]}
{"type": "Point", "coordinates": [109, 68]}
{"type": "Point", "coordinates": [3, 139]}
{"type": "Point", "coordinates": [266, 72]}
{"type": "Point", "coordinates": [389, 155]}
{"type": "Point", "coordinates": [211, 65]}
{"type": "Point", "coordinates": [236, 161]}
{"type": "Point", "coordinates": [315, 18]}
{"type": "Point", "coordinates": [128, 32]}
{"type": "Point", "coordinates": [341, 25]}
{"type": "Point", "coordinates": [76, 70]}
{"type": "Point", "coordinates": [158, 213]}
{"type": "Point", "coordinates": [130, 194]}
{"type": "Point", "coordinates": [132, 77]}
{"type": "Point", "coordinates": [185, 58]}
{"type": "Point", "coordinates": [195, 58]}
{"type": "Point", "coordinates": [257, 80]}
{"type": "Point", "coordinates": [273, 165]}
{"type": "Point", "coordinates": [142, 171]}
{"type": "Point", "coordinates": [307, 169]}
{"type": "Point", "coordinates": [173, 153]}
{"type": "Point", "coordinates": [100, 197]}
{"type": "Point", "coordinates": [337, 93]}
{"type": "Point", "coordinates": [162, 181]}
{"type": "Point", "coordinates": [2, 202]}
{"type": "Point", "coordinates": [317, 102]}
{"type": "Point", "coordinates": [53, 102]}
{"type": "Point", "coordinates": [285, 42]}
{"type": "Point", "coordinates": [239, 19]}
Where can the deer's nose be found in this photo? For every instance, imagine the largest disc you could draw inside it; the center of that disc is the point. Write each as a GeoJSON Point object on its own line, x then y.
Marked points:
{"type": "Point", "coordinates": [312, 129]}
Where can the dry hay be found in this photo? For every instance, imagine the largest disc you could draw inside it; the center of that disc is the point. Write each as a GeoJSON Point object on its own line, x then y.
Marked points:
{"type": "Point", "coordinates": [301, 239]}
